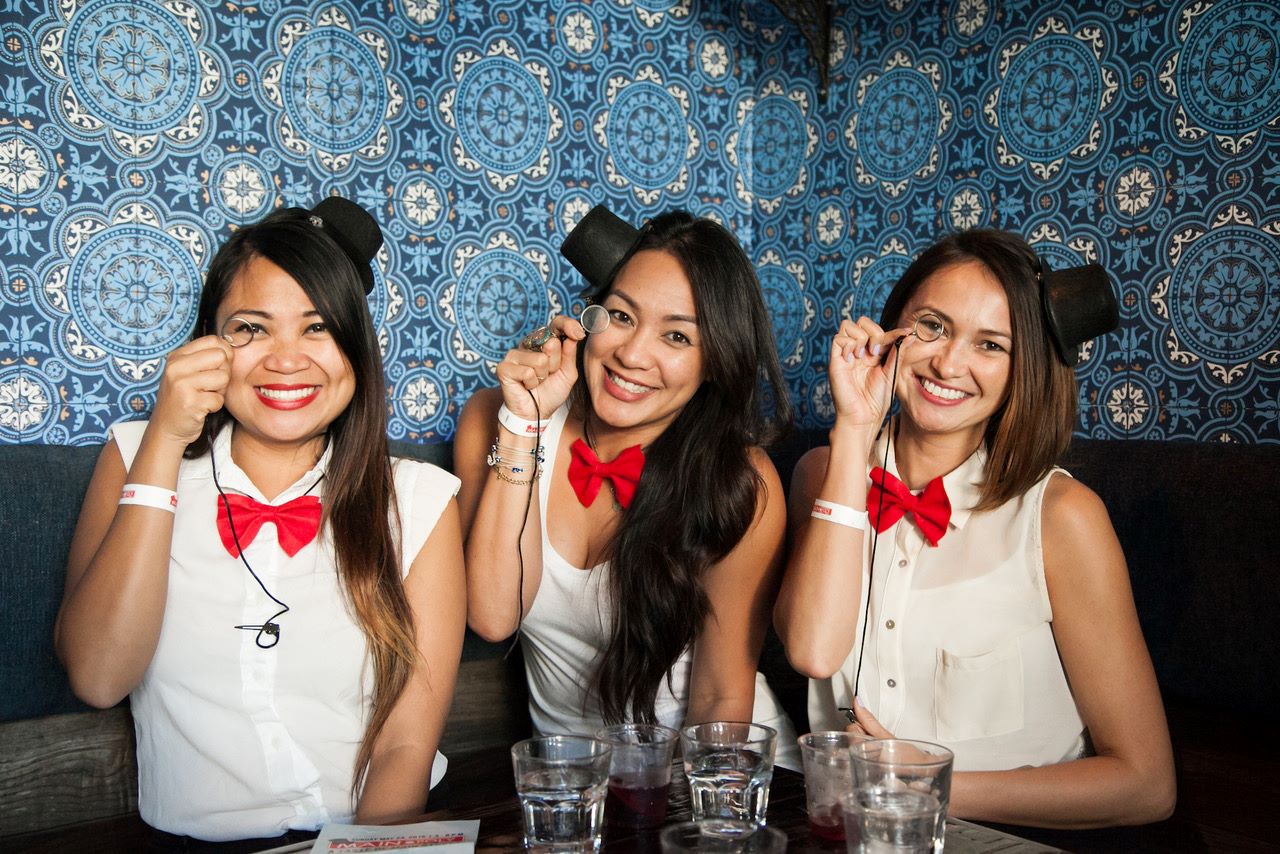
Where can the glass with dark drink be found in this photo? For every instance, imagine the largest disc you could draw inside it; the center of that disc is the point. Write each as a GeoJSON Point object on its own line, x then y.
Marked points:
{"type": "Point", "coordinates": [639, 775]}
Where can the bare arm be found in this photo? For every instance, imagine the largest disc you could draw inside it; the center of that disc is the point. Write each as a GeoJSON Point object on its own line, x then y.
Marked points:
{"type": "Point", "coordinates": [400, 769]}
{"type": "Point", "coordinates": [816, 611]}
{"type": "Point", "coordinates": [532, 385]}
{"type": "Point", "coordinates": [492, 509]}
{"type": "Point", "coordinates": [118, 568]}
{"type": "Point", "coordinates": [740, 589]}
{"type": "Point", "coordinates": [1095, 624]}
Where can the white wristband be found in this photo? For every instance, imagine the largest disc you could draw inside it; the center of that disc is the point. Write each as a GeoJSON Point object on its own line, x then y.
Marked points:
{"type": "Point", "coordinates": [146, 495]}
{"type": "Point", "coordinates": [517, 425]}
{"type": "Point", "coordinates": [840, 514]}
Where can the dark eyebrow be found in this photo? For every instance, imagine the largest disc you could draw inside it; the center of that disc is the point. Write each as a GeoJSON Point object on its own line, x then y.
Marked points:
{"type": "Point", "coordinates": [683, 318]}
{"type": "Point", "coordinates": [945, 319]}
{"type": "Point", "coordinates": [266, 315]}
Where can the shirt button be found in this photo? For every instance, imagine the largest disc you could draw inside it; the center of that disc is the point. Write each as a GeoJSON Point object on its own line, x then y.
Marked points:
{"type": "Point", "coordinates": [902, 563]}
{"type": "Point", "coordinates": [892, 683]}
{"type": "Point", "coordinates": [888, 624]}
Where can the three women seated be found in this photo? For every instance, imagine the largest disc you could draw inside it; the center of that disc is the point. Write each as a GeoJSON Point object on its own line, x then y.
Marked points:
{"type": "Point", "coordinates": [620, 513]}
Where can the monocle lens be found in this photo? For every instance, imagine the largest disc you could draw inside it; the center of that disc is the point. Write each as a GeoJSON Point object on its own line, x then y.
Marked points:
{"type": "Point", "coordinates": [237, 331]}
{"type": "Point", "coordinates": [594, 318]}
{"type": "Point", "coordinates": [928, 327]}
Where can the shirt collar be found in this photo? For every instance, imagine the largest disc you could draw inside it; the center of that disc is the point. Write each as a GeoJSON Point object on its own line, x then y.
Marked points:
{"type": "Point", "coordinates": [963, 483]}
{"type": "Point", "coordinates": [232, 477]}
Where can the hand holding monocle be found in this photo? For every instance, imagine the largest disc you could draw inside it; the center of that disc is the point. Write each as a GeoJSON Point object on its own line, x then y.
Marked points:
{"type": "Point", "coordinates": [542, 369]}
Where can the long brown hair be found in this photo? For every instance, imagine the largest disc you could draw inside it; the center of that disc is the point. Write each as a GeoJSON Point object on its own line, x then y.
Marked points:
{"type": "Point", "coordinates": [699, 491]}
{"type": "Point", "coordinates": [1031, 430]}
{"type": "Point", "coordinates": [358, 502]}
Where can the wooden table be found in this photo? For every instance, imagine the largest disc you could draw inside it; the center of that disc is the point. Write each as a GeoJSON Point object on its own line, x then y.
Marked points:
{"type": "Point", "coordinates": [480, 786]}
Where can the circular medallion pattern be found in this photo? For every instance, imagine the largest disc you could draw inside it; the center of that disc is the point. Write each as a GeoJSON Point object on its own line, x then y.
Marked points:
{"type": "Point", "coordinates": [242, 188]}
{"type": "Point", "coordinates": [26, 404]}
{"type": "Point", "coordinates": [777, 145]}
{"type": "Point", "coordinates": [786, 307]}
{"type": "Point", "coordinates": [647, 134]}
{"type": "Point", "coordinates": [898, 124]}
{"type": "Point", "coordinates": [419, 201]}
{"type": "Point", "coordinates": [875, 284]}
{"type": "Point", "coordinates": [500, 297]}
{"type": "Point", "coordinates": [135, 291]}
{"type": "Point", "coordinates": [502, 114]}
{"type": "Point", "coordinates": [333, 90]}
{"type": "Point", "coordinates": [581, 31]}
{"type": "Point", "coordinates": [829, 227]}
{"type": "Point", "coordinates": [1223, 304]}
{"type": "Point", "coordinates": [1228, 77]}
{"type": "Point", "coordinates": [418, 398]}
{"type": "Point", "coordinates": [1050, 98]}
{"type": "Point", "coordinates": [1134, 188]}
{"type": "Point", "coordinates": [132, 64]}
{"type": "Point", "coordinates": [25, 167]}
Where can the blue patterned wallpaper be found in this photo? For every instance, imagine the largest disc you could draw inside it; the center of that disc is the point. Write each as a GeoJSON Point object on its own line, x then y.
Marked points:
{"type": "Point", "coordinates": [135, 134]}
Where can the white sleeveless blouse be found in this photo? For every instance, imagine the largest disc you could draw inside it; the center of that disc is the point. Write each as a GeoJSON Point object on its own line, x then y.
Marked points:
{"type": "Point", "coordinates": [959, 646]}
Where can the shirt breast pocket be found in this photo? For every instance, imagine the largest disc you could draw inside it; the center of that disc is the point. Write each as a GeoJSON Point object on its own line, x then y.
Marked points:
{"type": "Point", "coordinates": [979, 696]}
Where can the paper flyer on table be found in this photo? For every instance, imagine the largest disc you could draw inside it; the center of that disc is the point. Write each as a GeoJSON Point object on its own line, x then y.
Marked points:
{"type": "Point", "coordinates": [437, 837]}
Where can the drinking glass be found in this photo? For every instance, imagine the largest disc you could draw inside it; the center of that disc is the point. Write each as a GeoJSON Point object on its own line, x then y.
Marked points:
{"type": "Point", "coordinates": [561, 781]}
{"type": "Point", "coordinates": [729, 766]}
{"type": "Point", "coordinates": [722, 836]}
{"type": "Point", "coordinates": [828, 774]}
{"type": "Point", "coordinates": [899, 799]}
{"type": "Point", "coordinates": [639, 773]}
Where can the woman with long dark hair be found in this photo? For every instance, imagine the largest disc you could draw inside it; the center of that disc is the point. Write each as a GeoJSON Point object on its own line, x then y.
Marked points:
{"type": "Point", "coordinates": [949, 583]}
{"type": "Point", "coordinates": [649, 536]}
{"type": "Point", "coordinates": [281, 601]}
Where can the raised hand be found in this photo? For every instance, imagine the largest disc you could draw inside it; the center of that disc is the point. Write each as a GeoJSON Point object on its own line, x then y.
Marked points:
{"type": "Point", "coordinates": [860, 370]}
{"type": "Point", "coordinates": [548, 373]}
{"type": "Point", "coordinates": [193, 385]}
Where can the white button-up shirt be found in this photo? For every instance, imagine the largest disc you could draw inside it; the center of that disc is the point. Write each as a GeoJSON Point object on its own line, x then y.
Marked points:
{"type": "Point", "coordinates": [236, 741]}
{"type": "Point", "coordinates": [959, 645]}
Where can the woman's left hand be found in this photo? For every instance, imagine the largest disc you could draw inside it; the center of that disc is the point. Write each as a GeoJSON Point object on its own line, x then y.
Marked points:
{"type": "Point", "coordinates": [867, 725]}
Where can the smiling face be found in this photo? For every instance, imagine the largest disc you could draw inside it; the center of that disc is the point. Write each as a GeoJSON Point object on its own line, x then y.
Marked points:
{"type": "Point", "coordinates": [955, 384]}
{"type": "Point", "coordinates": [291, 382]}
{"type": "Point", "coordinates": [643, 369]}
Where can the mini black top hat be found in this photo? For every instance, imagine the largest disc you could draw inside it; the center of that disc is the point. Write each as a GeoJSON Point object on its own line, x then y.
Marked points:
{"type": "Point", "coordinates": [1079, 304]}
{"type": "Point", "coordinates": [354, 230]}
{"type": "Point", "coordinates": [598, 245]}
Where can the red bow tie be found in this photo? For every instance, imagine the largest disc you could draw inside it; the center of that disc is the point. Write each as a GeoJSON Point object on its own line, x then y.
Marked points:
{"type": "Point", "coordinates": [889, 498]}
{"type": "Point", "coordinates": [586, 473]}
{"type": "Point", "coordinates": [297, 522]}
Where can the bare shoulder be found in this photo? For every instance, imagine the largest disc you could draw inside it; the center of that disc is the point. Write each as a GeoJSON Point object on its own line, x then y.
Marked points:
{"type": "Point", "coordinates": [480, 410]}
{"type": "Point", "coordinates": [1073, 509]}
{"type": "Point", "coordinates": [811, 467]}
{"type": "Point", "coordinates": [1078, 539]}
{"type": "Point", "coordinates": [765, 469]}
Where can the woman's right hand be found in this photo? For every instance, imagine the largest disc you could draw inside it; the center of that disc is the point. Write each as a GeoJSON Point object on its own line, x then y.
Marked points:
{"type": "Point", "coordinates": [548, 374]}
{"type": "Point", "coordinates": [193, 386]}
{"type": "Point", "coordinates": [859, 370]}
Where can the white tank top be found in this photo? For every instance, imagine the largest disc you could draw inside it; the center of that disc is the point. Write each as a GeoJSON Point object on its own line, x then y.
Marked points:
{"type": "Point", "coordinates": [567, 629]}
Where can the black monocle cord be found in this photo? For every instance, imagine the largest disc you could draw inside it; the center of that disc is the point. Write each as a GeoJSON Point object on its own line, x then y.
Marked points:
{"type": "Point", "coordinates": [524, 520]}
{"type": "Point", "coordinates": [270, 629]}
{"type": "Point", "coordinates": [875, 532]}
